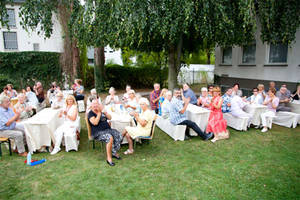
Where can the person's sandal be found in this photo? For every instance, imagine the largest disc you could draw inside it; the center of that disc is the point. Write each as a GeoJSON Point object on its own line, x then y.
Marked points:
{"type": "Point", "coordinates": [117, 157]}
{"type": "Point", "coordinates": [128, 152]}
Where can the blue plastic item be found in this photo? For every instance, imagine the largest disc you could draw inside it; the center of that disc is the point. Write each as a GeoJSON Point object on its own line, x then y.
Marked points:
{"type": "Point", "coordinates": [38, 162]}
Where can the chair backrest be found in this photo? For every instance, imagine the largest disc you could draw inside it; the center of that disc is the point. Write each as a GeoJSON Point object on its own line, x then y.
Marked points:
{"type": "Point", "coordinates": [153, 126]}
{"type": "Point", "coordinates": [89, 129]}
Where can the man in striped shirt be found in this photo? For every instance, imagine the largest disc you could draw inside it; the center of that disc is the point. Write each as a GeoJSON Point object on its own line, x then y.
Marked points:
{"type": "Point", "coordinates": [154, 97]}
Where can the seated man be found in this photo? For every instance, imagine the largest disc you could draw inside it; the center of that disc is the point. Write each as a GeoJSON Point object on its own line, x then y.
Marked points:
{"type": "Point", "coordinates": [226, 106]}
{"type": "Point", "coordinates": [256, 98]}
{"type": "Point", "coordinates": [237, 105]}
{"type": "Point", "coordinates": [8, 126]}
{"type": "Point", "coordinates": [165, 108]}
{"type": "Point", "coordinates": [101, 131]}
{"type": "Point", "coordinates": [178, 114]}
{"type": "Point", "coordinates": [283, 100]}
{"type": "Point", "coordinates": [288, 92]}
{"type": "Point", "coordinates": [189, 93]}
{"type": "Point", "coordinates": [22, 107]}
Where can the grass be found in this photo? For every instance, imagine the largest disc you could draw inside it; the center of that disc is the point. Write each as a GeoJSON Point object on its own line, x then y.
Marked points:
{"type": "Point", "coordinates": [250, 165]}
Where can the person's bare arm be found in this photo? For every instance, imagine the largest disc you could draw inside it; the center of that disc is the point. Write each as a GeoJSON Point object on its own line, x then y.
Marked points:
{"type": "Point", "coordinates": [186, 103]}
{"type": "Point", "coordinates": [14, 118]}
{"type": "Point", "coordinates": [142, 122]}
{"type": "Point", "coordinates": [95, 120]}
{"type": "Point", "coordinates": [73, 116]}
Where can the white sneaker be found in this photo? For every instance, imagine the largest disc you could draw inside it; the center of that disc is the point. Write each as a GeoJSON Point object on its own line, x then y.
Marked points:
{"type": "Point", "coordinates": [264, 130]}
{"type": "Point", "coordinates": [55, 151]}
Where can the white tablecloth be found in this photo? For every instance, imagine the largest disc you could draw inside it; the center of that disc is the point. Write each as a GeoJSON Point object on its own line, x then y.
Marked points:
{"type": "Point", "coordinates": [177, 132]}
{"type": "Point", "coordinates": [255, 110]}
{"type": "Point", "coordinates": [295, 106]}
{"type": "Point", "coordinates": [67, 92]}
{"type": "Point", "coordinates": [238, 123]}
{"type": "Point", "coordinates": [120, 119]}
{"type": "Point", "coordinates": [198, 115]}
{"type": "Point", "coordinates": [41, 127]}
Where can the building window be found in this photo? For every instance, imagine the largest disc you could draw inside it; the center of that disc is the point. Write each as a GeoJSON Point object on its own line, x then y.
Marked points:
{"type": "Point", "coordinates": [36, 47]}
{"type": "Point", "coordinates": [11, 20]}
{"type": "Point", "coordinates": [249, 54]}
{"type": "Point", "coordinates": [10, 40]}
{"type": "Point", "coordinates": [227, 55]}
{"type": "Point", "coordinates": [278, 53]}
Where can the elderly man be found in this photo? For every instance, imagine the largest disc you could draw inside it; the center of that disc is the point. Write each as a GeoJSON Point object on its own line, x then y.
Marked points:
{"type": "Point", "coordinates": [226, 106]}
{"type": "Point", "coordinates": [102, 131]}
{"type": "Point", "coordinates": [154, 97]}
{"type": "Point", "coordinates": [189, 93]}
{"type": "Point", "coordinates": [8, 126]}
{"type": "Point", "coordinates": [24, 108]}
{"type": "Point", "coordinates": [284, 98]}
{"type": "Point", "coordinates": [178, 114]}
{"type": "Point", "coordinates": [39, 91]}
{"type": "Point", "coordinates": [165, 108]}
{"type": "Point", "coordinates": [288, 92]}
{"type": "Point", "coordinates": [272, 85]}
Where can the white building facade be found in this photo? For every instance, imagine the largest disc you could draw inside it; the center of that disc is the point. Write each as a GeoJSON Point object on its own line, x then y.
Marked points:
{"type": "Point", "coordinates": [259, 63]}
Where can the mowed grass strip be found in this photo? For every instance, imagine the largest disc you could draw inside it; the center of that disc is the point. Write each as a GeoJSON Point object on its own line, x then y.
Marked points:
{"type": "Point", "coordinates": [249, 165]}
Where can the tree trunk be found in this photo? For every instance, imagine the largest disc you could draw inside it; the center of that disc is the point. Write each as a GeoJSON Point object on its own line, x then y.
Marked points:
{"type": "Point", "coordinates": [172, 76]}
{"type": "Point", "coordinates": [75, 58]}
{"type": "Point", "coordinates": [208, 56]}
{"type": "Point", "coordinates": [99, 71]}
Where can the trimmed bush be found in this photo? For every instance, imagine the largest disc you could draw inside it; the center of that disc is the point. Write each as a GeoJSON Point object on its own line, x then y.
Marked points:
{"type": "Point", "coordinates": [4, 80]}
{"type": "Point", "coordinates": [27, 67]}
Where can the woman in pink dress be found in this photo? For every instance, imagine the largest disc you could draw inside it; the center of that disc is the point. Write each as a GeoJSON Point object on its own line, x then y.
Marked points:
{"type": "Point", "coordinates": [216, 123]}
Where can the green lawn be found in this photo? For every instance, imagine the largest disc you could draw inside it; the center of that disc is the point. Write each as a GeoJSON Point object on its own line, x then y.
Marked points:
{"type": "Point", "coordinates": [250, 165]}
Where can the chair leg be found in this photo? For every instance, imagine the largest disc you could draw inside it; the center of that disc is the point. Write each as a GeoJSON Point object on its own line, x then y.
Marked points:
{"type": "Point", "coordinates": [9, 146]}
{"type": "Point", "coordinates": [0, 150]}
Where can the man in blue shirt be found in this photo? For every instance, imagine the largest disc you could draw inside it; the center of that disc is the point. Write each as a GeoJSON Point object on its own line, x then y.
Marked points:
{"type": "Point", "coordinates": [8, 125]}
{"type": "Point", "coordinates": [226, 106]}
{"type": "Point", "coordinates": [188, 93]}
{"type": "Point", "coordinates": [178, 114]}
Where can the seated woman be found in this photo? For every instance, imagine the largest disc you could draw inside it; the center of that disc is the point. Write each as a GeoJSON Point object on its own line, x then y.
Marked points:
{"type": "Point", "coordinates": [70, 124]}
{"type": "Point", "coordinates": [216, 123]}
{"type": "Point", "coordinates": [256, 98]}
{"type": "Point", "coordinates": [11, 92]}
{"type": "Point", "coordinates": [272, 103]}
{"type": "Point", "coordinates": [31, 97]}
{"type": "Point", "coordinates": [23, 108]}
{"type": "Point", "coordinates": [52, 92]}
{"type": "Point", "coordinates": [93, 96]}
{"type": "Point", "coordinates": [204, 99]}
{"type": "Point", "coordinates": [144, 123]}
{"type": "Point", "coordinates": [101, 131]}
{"type": "Point", "coordinates": [236, 90]}
{"type": "Point", "coordinates": [261, 90]}
{"type": "Point", "coordinates": [58, 101]}
{"type": "Point", "coordinates": [112, 98]}
{"type": "Point", "coordinates": [296, 94]}
{"type": "Point", "coordinates": [132, 103]}
{"type": "Point", "coordinates": [126, 95]}
{"type": "Point", "coordinates": [78, 90]}
{"type": "Point", "coordinates": [161, 100]}
{"type": "Point", "coordinates": [5, 92]}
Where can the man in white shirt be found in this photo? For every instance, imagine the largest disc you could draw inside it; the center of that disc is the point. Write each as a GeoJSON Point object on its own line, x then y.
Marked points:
{"type": "Point", "coordinates": [237, 105]}
{"type": "Point", "coordinates": [255, 98]}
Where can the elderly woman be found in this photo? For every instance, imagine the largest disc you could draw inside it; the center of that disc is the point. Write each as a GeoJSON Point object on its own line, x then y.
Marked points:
{"type": "Point", "coordinates": [132, 103]}
{"type": "Point", "coordinates": [272, 103]}
{"type": "Point", "coordinates": [204, 100]}
{"type": "Point", "coordinates": [161, 100]}
{"type": "Point", "coordinates": [144, 123]}
{"type": "Point", "coordinates": [261, 90]}
{"type": "Point", "coordinates": [126, 95]}
{"type": "Point", "coordinates": [11, 92]}
{"type": "Point", "coordinates": [93, 96]}
{"type": "Point", "coordinates": [296, 94]}
{"type": "Point", "coordinates": [52, 92]}
{"type": "Point", "coordinates": [102, 131]}
{"type": "Point", "coordinates": [5, 92]}
{"type": "Point", "coordinates": [112, 98]}
{"type": "Point", "coordinates": [23, 108]}
{"type": "Point", "coordinates": [78, 90]}
{"type": "Point", "coordinates": [236, 90]}
{"type": "Point", "coordinates": [31, 97]}
{"type": "Point", "coordinates": [216, 123]}
{"type": "Point", "coordinates": [58, 102]}
{"type": "Point", "coordinates": [70, 124]}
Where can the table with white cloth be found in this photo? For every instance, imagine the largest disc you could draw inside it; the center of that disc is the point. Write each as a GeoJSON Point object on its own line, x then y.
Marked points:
{"type": "Point", "coordinates": [295, 106]}
{"type": "Point", "coordinates": [40, 128]}
{"type": "Point", "coordinates": [255, 110]}
{"type": "Point", "coordinates": [287, 119]}
{"type": "Point", "coordinates": [67, 92]}
{"type": "Point", "coordinates": [198, 115]}
{"type": "Point", "coordinates": [119, 118]}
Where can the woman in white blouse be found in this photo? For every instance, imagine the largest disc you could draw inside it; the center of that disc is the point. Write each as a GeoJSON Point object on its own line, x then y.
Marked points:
{"type": "Point", "coordinates": [132, 103]}
{"type": "Point", "coordinates": [112, 98]}
{"type": "Point", "coordinates": [70, 124]}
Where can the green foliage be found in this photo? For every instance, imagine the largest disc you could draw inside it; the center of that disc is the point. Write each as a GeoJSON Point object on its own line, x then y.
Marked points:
{"type": "Point", "coordinates": [279, 20]}
{"type": "Point", "coordinates": [27, 67]}
{"type": "Point", "coordinates": [198, 57]}
{"type": "Point", "coordinates": [4, 80]}
{"type": "Point", "coordinates": [83, 64]}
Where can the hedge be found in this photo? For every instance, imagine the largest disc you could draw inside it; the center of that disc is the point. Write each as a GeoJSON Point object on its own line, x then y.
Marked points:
{"type": "Point", "coordinates": [23, 68]}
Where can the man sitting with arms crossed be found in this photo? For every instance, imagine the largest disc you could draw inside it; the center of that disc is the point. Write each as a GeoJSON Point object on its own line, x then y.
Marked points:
{"type": "Point", "coordinates": [178, 114]}
{"type": "Point", "coordinates": [8, 126]}
{"type": "Point", "coordinates": [165, 108]}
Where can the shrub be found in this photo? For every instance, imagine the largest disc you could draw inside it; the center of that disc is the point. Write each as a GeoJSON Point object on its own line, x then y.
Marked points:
{"type": "Point", "coordinates": [4, 80]}
{"type": "Point", "coordinates": [27, 67]}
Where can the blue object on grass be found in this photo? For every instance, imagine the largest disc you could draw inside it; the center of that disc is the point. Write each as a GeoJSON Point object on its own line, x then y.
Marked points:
{"type": "Point", "coordinates": [38, 162]}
